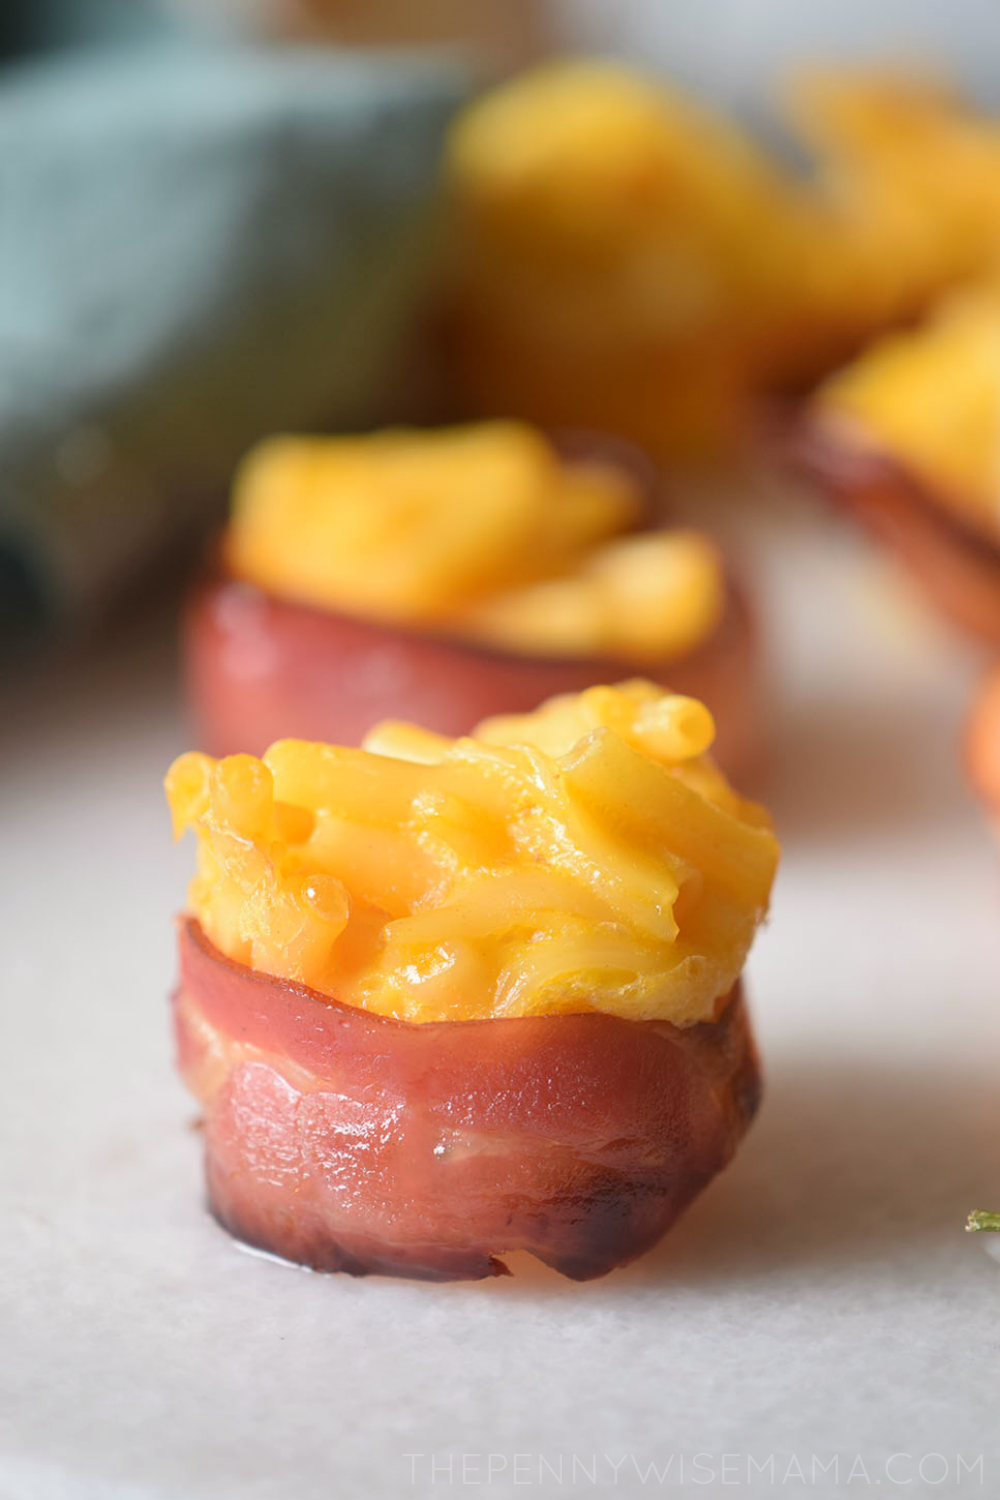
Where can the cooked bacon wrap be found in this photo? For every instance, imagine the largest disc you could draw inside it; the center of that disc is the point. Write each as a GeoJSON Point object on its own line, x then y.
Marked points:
{"type": "Point", "coordinates": [957, 567]}
{"type": "Point", "coordinates": [348, 1141]}
{"type": "Point", "coordinates": [259, 669]}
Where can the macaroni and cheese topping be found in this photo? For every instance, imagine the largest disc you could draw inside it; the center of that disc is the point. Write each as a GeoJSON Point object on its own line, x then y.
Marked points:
{"type": "Point", "coordinates": [483, 532]}
{"type": "Point", "coordinates": [584, 857]}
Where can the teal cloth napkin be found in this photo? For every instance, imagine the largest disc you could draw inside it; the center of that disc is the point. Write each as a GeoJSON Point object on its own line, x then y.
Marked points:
{"type": "Point", "coordinates": [198, 246]}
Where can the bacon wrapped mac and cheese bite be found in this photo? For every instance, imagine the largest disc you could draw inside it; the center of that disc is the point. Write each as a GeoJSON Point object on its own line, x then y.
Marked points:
{"type": "Point", "coordinates": [445, 999]}
{"type": "Point", "coordinates": [907, 438]}
{"type": "Point", "coordinates": [448, 575]}
{"type": "Point", "coordinates": [627, 258]}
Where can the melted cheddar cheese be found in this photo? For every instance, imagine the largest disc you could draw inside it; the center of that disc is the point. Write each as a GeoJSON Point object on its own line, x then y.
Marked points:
{"type": "Point", "coordinates": [584, 857]}
{"type": "Point", "coordinates": [479, 532]}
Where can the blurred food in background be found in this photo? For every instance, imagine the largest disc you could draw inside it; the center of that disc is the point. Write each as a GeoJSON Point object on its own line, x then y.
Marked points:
{"type": "Point", "coordinates": [609, 234]}
{"type": "Point", "coordinates": [907, 437]}
{"type": "Point", "coordinates": [212, 243]}
{"type": "Point", "coordinates": [626, 257]}
{"type": "Point", "coordinates": [456, 573]}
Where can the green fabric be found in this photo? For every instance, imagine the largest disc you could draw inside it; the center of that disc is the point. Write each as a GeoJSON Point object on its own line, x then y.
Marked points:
{"type": "Point", "coordinates": [197, 247]}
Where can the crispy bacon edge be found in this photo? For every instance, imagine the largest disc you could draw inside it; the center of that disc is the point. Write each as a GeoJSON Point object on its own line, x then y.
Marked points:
{"type": "Point", "coordinates": [348, 1141]}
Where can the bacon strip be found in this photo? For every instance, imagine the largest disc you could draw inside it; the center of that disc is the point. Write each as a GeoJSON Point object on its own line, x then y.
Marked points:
{"type": "Point", "coordinates": [349, 1141]}
{"type": "Point", "coordinates": [260, 669]}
